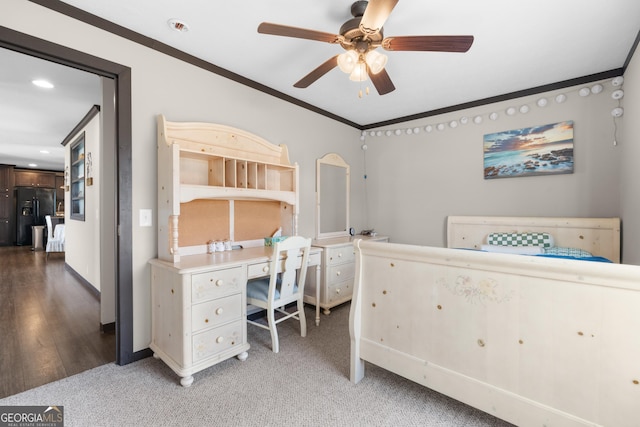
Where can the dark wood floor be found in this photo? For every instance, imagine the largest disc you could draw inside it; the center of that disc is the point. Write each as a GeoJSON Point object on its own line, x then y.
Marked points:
{"type": "Point", "coordinates": [49, 322]}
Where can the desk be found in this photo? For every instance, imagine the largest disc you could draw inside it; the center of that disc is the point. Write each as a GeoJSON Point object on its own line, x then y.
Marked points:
{"type": "Point", "coordinates": [199, 307]}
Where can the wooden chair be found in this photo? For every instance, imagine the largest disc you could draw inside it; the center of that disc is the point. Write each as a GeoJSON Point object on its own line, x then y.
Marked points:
{"type": "Point", "coordinates": [290, 256]}
{"type": "Point", "coordinates": [55, 237]}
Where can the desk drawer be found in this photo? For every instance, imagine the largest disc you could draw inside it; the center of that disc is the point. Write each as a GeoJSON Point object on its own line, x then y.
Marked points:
{"type": "Point", "coordinates": [216, 312]}
{"type": "Point", "coordinates": [314, 259]}
{"type": "Point", "coordinates": [340, 273]}
{"type": "Point", "coordinates": [342, 254]}
{"type": "Point", "coordinates": [258, 270]}
{"type": "Point", "coordinates": [211, 342]}
{"type": "Point", "coordinates": [262, 269]}
{"type": "Point", "coordinates": [217, 283]}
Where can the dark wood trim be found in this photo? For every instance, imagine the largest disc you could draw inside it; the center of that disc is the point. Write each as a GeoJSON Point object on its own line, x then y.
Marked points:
{"type": "Point", "coordinates": [500, 98]}
{"type": "Point", "coordinates": [631, 52]}
{"type": "Point", "coordinates": [108, 328]}
{"type": "Point", "coordinates": [43, 49]}
{"type": "Point", "coordinates": [113, 28]}
{"type": "Point", "coordinates": [94, 111]}
{"type": "Point", "coordinates": [84, 282]}
{"type": "Point", "coordinates": [126, 33]}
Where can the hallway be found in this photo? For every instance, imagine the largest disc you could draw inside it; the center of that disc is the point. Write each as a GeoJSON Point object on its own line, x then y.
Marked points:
{"type": "Point", "coordinates": [49, 322]}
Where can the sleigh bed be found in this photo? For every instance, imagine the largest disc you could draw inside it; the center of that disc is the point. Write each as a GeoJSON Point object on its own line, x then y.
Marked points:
{"type": "Point", "coordinates": [533, 340]}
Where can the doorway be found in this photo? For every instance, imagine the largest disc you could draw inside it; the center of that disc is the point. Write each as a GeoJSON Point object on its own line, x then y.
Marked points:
{"type": "Point", "coordinates": [122, 201]}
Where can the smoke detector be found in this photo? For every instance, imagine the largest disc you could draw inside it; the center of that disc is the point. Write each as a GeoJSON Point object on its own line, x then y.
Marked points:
{"type": "Point", "coordinates": [178, 25]}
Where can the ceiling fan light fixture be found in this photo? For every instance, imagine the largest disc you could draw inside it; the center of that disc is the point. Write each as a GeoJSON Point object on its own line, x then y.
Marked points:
{"type": "Point", "coordinates": [376, 61]}
{"type": "Point", "coordinates": [359, 73]}
{"type": "Point", "coordinates": [347, 61]}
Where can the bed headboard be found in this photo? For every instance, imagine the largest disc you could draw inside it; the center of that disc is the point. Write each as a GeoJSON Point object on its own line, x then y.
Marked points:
{"type": "Point", "coordinates": [600, 236]}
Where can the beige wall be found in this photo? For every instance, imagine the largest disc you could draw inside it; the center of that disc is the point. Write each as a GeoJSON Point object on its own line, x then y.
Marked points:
{"type": "Point", "coordinates": [163, 85]}
{"type": "Point", "coordinates": [630, 170]}
{"type": "Point", "coordinates": [82, 238]}
{"type": "Point", "coordinates": [413, 182]}
{"type": "Point", "coordinates": [416, 181]}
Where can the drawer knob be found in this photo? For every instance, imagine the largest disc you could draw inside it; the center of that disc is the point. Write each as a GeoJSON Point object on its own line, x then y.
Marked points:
{"type": "Point", "coordinates": [219, 282]}
{"type": "Point", "coordinates": [340, 255]}
{"type": "Point", "coordinates": [337, 273]}
{"type": "Point", "coordinates": [219, 340]}
{"type": "Point", "coordinates": [219, 311]}
{"type": "Point", "coordinates": [265, 268]}
{"type": "Point", "coordinates": [206, 320]}
{"type": "Point", "coordinates": [338, 291]}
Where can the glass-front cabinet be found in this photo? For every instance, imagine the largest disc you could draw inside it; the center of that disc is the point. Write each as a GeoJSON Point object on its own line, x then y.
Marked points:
{"type": "Point", "coordinates": [77, 179]}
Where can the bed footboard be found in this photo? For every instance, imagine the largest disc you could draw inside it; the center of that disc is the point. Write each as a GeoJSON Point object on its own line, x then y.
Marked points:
{"type": "Point", "coordinates": [533, 341]}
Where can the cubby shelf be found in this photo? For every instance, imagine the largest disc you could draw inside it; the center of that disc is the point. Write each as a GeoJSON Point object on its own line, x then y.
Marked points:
{"type": "Point", "coordinates": [205, 161]}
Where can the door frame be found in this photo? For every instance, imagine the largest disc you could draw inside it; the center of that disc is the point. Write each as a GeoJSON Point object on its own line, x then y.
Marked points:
{"type": "Point", "coordinates": [39, 48]}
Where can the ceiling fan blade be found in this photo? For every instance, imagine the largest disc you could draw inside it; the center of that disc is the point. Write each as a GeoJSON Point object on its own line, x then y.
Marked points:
{"type": "Point", "coordinates": [323, 69]}
{"type": "Point", "coordinates": [428, 43]}
{"type": "Point", "coordinates": [300, 33]}
{"type": "Point", "coordinates": [375, 15]}
{"type": "Point", "coordinates": [381, 81]}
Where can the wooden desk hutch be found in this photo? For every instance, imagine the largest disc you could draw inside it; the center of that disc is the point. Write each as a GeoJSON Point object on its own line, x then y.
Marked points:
{"type": "Point", "coordinates": [214, 183]}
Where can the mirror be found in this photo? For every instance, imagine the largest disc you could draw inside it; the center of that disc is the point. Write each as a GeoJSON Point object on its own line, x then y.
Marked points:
{"type": "Point", "coordinates": [332, 197]}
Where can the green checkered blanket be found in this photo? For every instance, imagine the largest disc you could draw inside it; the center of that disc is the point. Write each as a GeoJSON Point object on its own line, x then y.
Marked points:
{"type": "Point", "coordinates": [520, 239]}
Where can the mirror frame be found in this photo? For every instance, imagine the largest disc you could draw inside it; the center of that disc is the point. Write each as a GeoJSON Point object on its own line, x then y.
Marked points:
{"type": "Point", "coordinates": [332, 159]}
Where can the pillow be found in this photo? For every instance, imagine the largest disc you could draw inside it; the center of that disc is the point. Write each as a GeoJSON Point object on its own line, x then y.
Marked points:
{"type": "Point", "coordinates": [544, 240]}
{"type": "Point", "coordinates": [572, 252]}
{"type": "Point", "coordinates": [518, 250]}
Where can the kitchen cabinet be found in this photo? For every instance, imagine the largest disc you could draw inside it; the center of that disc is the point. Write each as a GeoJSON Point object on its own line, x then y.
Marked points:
{"type": "Point", "coordinates": [7, 211]}
{"type": "Point", "coordinates": [27, 178]}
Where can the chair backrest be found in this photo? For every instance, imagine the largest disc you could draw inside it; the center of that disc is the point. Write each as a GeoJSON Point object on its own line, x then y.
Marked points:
{"type": "Point", "coordinates": [286, 262]}
{"type": "Point", "coordinates": [47, 218]}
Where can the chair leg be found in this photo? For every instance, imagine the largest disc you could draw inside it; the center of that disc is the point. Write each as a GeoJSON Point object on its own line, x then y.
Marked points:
{"type": "Point", "coordinates": [303, 319]}
{"type": "Point", "coordinates": [271, 318]}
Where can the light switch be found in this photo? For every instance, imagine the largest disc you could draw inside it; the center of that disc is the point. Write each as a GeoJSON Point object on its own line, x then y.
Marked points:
{"type": "Point", "coordinates": [145, 218]}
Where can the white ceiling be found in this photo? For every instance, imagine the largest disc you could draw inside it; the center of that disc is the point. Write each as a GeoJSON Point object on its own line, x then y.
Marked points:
{"type": "Point", "coordinates": [518, 45]}
{"type": "Point", "coordinates": [33, 119]}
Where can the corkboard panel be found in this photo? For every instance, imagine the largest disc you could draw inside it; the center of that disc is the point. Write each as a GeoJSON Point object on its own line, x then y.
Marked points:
{"type": "Point", "coordinates": [203, 220]}
{"type": "Point", "coordinates": [256, 219]}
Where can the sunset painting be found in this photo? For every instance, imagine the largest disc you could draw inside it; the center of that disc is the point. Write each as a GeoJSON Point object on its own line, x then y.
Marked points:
{"type": "Point", "coordinates": [539, 150]}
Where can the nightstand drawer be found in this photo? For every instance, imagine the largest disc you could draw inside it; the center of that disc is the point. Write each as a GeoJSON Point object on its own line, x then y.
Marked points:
{"type": "Point", "coordinates": [214, 341]}
{"type": "Point", "coordinates": [216, 312]}
{"type": "Point", "coordinates": [340, 273]}
{"type": "Point", "coordinates": [339, 292]}
{"type": "Point", "coordinates": [343, 254]}
{"type": "Point", "coordinates": [217, 283]}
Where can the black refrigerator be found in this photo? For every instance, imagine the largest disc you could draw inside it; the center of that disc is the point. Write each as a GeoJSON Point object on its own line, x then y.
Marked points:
{"type": "Point", "coordinates": [33, 204]}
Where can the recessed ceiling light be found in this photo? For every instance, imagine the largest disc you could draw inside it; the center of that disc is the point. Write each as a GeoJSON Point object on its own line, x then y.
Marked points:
{"type": "Point", "coordinates": [45, 151]}
{"type": "Point", "coordinates": [33, 165]}
{"type": "Point", "coordinates": [178, 25]}
{"type": "Point", "coordinates": [43, 83]}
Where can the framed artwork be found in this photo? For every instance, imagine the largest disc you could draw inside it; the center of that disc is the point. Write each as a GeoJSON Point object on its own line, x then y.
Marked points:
{"type": "Point", "coordinates": [537, 150]}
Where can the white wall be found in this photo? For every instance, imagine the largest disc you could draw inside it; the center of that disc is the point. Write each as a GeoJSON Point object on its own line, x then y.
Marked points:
{"type": "Point", "coordinates": [82, 237]}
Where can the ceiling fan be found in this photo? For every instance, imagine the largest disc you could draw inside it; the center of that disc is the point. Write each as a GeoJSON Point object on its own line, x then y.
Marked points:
{"type": "Point", "coordinates": [361, 36]}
